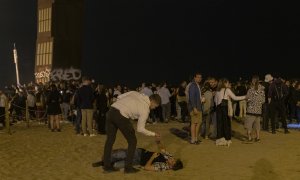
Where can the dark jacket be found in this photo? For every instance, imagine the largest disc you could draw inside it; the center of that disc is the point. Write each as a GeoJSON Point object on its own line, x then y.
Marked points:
{"type": "Point", "coordinates": [85, 97]}
{"type": "Point", "coordinates": [194, 97]}
{"type": "Point", "coordinates": [278, 91]}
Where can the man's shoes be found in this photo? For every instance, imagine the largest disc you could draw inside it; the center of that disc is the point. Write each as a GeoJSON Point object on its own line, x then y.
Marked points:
{"type": "Point", "coordinates": [98, 164]}
{"type": "Point", "coordinates": [130, 170]}
{"type": "Point", "coordinates": [286, 131]}
{"type": "Point", "coordinates": [109, 170]}
{"type": "Point", "coordinates": [198, 142]}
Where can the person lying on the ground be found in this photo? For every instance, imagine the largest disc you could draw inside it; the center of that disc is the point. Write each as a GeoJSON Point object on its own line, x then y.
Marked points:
{"type": "Point", "coordinates": [151, 161]}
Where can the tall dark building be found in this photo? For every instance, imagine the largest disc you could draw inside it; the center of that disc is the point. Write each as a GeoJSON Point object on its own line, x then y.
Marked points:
{"type": "Point", "coordinates": [60, 37]}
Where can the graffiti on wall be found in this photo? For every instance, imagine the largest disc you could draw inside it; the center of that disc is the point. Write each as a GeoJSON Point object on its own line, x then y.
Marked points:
{"type": "Point", "coordinates": [65, 74]}
{"type": "Point", "coordinates": [43, 74]}
{"type": "Point", "coordinates": [59, 74]}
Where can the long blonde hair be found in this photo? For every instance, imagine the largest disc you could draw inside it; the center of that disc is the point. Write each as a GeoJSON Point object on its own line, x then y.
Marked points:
{"type": "Point", "coordinates": [255, 82]}
{"type": "Point", "coordinates": [222, 84]}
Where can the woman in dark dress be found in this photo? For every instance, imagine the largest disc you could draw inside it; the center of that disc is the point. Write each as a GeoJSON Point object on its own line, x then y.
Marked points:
{"type": "Point", "coordinates": [102, 107]}
{"type": "Point", "coordinates": [53, 111]}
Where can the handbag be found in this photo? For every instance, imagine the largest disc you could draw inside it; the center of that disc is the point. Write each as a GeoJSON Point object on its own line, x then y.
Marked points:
{"type": "Point", "coordinates": [224, 102]}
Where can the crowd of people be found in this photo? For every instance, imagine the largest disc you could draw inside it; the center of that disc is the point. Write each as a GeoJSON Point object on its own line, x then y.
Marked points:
{"type": "Point", "coordinates": [207, 105]}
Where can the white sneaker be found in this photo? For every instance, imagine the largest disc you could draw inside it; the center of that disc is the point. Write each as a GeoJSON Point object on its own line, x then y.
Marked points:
{"type": "Point", "coordinates": [85, 135]}
{"type": "Point", "coordinates": [92, 135]}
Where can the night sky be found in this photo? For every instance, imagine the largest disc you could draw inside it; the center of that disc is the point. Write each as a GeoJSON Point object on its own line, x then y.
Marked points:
{"type": "Point", "coordinates": [157, 40]}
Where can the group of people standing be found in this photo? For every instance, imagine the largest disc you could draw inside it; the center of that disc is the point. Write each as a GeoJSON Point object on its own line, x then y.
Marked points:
{"type": "Point", "coordinates": [210, 107]}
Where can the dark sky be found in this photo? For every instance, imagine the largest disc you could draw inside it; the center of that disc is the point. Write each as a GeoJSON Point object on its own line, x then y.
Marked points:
{"type": "Point", "coordinates": [156, 40]}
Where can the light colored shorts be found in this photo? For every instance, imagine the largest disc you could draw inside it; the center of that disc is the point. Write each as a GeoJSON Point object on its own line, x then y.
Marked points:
{"type": "Point", "coordinates": [196, 118]}
{"type": "Point", "coordinates": [252, 122]}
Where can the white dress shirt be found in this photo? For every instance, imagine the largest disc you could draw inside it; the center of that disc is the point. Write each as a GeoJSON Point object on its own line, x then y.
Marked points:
{"type": "Point", "coordinates": [135, 105]}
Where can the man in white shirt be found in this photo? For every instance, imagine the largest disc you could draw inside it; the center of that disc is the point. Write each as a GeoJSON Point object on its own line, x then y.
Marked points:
{"type": "Point", "coordinates": [131, 105]}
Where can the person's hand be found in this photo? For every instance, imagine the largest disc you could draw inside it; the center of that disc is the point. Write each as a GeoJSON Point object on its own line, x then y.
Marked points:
{"type": "Point", "coordinates": [195, 111]}
{"type": "Point", "coordinates": [157, 139]}
{"type": "Point", "coordinates": [202, 99]}
{"type": "Point", "coordinates": [155, 155]}
{"type": "Point", "coordinates": [157, 136]}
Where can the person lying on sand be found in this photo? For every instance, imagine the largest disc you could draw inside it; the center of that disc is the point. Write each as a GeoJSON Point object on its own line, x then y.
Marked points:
{"type": "Point", "coordinates": [150, 161]}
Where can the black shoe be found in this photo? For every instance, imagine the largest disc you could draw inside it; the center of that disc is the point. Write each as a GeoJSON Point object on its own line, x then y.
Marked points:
{"type": "Point", "coordinates": [131, 170]}
{"type": "Point", "coordinates": [52, 130]}
{"type": "Point", "coordinates": [109, 170]}
{"type": "Point", "coordinates": [257, 140]}
{"type": "Point", "coordinates": [58, 130]}
{"type": "Point", "coordinates": [198, 142]}
{"type": "Point", "coordinates": [98, 164]}
{"type": "Point", "coordinates": [286, 131]}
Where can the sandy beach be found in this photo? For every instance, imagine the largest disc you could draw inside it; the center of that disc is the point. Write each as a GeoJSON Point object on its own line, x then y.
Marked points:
{"type": "Point", "coordinates": [38, 154]}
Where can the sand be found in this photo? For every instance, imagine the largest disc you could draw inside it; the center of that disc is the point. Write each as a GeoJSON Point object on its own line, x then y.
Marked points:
{"type": "Point", "coordinates": [35, 153]}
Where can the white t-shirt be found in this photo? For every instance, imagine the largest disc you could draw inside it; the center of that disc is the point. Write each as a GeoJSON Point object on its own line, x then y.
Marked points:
{"type": "Point", "coordinates": [147, 91]}
{"type": "Point", "coordinates": [165, 95]}
{"type": "Point", "coordinates": [135, 105]}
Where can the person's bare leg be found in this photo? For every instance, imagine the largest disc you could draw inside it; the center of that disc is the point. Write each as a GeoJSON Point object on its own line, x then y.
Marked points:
{"type": "Point", "coordinates": [57, 120]}
{"type": "Point", "coordinates": [52, 122]}
{"type": "Point", "coordinates": [249, 135]}
{"type": "Point", "coordinates": [197, 126]}
{"type": "Point", "coordinates": [257, 134]}
{"type": "Point", "coordinates": [193, 132]}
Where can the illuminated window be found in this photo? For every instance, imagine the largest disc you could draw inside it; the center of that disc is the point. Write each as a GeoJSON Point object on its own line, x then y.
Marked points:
{"type": "Point", "coordinates": [48, 47]}
{"type": "Point", "coordinates": [50, 58]}
{"type": "Point", "coordinates": [51, 46]}
{"type": "Point", "coordinates": [44, 59]}
{"type": "Point", "coordinates": [47, 59]}
{"type": "Point", "coordinates": [44, 53]}
{"type": "Point", "coordinates": [44, 20]}
{"type": "Point", "coordinates": [39, 60]}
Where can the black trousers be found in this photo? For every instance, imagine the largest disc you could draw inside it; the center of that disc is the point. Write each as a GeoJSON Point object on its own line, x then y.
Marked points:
{"type": "Point", "coordinates": [184, 110]}
{"type": "Point", "coordinates": [115, 121]}
{"type": "Point", "coordinates": [223, 123]}
{"type": "Point", "coordinates": [101, 120]}
{"type": "Point", "coordinates": [278, 108]}
{"type": "Point", "coordinates": [32, 112]}
{"type": "Point", "coordinates": [292, 111]}
{"type": "Point", "coordinates": [266, 116]}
